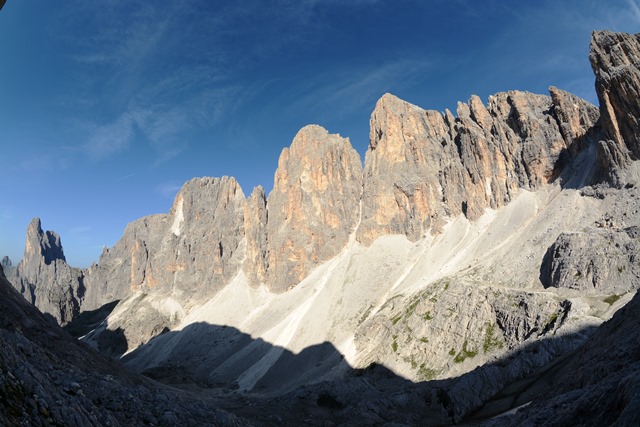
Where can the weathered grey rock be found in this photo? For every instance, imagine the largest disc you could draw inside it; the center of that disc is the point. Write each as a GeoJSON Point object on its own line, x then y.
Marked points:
{"type": "Point", "coordinates": [314, 205]}
{"type": "Point", "coordinates": [597, 385]}
{"type": "Point", "coordinates": [6, 262]}
{"type": "Point", "coordinates": [48, 378]}
{"type": "Point", "coordinates": [163, 264]}
{"type": "Point", "coordinates": [451, 327]}
{"type": "Point", "coordinates": [423, 167]}
{"type": "Point", "coordinates": [615, 59]}
{"type": "Point", "coordinates": [596, 262]}
{"type": "Point", "coordinates": [44, 278]}
{"type": "Point", "coordinates": [255, 230]}
{"type": "Point", "coordinates": [195, 249]}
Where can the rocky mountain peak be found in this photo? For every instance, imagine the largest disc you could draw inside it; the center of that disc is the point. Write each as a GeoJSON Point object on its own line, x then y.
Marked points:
{"type": "Point", "coordinates": [42, 244]}
{"type": "Point", "coordinates": [44, 278]}
{"type": "Point", "coordinates": [6, 262]}
{"type": "Point", "coordinates": [424, 167]}
{"type": "Point", "coordinates": [314, 204]}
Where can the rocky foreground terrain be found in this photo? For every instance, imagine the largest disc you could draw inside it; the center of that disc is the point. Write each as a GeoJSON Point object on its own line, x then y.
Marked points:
{"type": "Point", "coordinates": [477, 263]}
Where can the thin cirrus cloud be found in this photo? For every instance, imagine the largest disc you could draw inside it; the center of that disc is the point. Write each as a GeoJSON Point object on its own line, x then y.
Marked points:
{"type": "Point", "coordinates": [159, 95]}
{"type": "Point", "coordinates": [112, 138]}
{"type": "Point", "coordinates": [354, 90]}
{"type": "Point", "coordinates": [168, 190]}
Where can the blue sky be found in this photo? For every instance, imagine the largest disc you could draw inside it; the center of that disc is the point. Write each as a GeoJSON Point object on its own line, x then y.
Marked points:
{"type": "Point", "coordinates": [108, 107]}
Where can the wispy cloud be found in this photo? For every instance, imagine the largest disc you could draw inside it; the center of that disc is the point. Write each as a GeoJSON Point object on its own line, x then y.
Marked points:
{"type": "Point", "coordinates": [635, 10]}
{"type": "Point", "coordinates": [43, 162]}
{"type": "Point", "coordinates": [355, 90]}
{"type": "Point", "coordinates": [111, 138]}
{"type": "Point", "coordinates": [122, 178]}
{"type": "Point", "coordinates": [169, 189]}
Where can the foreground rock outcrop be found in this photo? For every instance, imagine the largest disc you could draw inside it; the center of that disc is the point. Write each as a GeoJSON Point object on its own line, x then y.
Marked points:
{"type": "Point", "coordinates": [595, 262]}
{"type": "Point", "coordinates": [47, 378]}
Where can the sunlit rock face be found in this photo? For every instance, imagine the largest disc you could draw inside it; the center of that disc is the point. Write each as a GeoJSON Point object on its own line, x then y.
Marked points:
{"type": "Point", "coordinates": [194, 249]}
{"type": "Point", "coordinates": [423, 167]}
{"type": "Point", "coordinates": [314, 205]}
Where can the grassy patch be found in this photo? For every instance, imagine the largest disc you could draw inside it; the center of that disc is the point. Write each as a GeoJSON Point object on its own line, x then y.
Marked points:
{"type": "Point", "coordinates": [612, 299]}
{"type": "Point", "coordinates": [427, 316]}
{"type": "Point", "coordinates": [491, 340]}
{"type": "Point", "coordinates": [464, 354]}
{"type": "Point", "coordinates": [396, 319]}
{"type": "Point", "coordinates": [424, 340]}
{"type": "Point", "coordinates": [425, 373]}
{"type": "Point", "coordinates": [394, 345]}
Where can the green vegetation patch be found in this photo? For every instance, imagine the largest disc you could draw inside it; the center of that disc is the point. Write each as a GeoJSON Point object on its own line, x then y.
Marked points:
{"type": "Point", "coordinates": [464, 354]}
{"type": "Point", "coordinates": [426, 373]}
{"type": "Point", "coordinates": [491, 339]}
{"type": "Point", "coordinates": [612, 299]}
{"type": "Point", "coordinates": [394, 345]}
{"type": "Point", "coordinates": [396, 319]}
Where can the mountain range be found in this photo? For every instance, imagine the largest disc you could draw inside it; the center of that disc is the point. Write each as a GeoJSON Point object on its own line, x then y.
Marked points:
{"type": "Point", "coordinates": [474, 263]}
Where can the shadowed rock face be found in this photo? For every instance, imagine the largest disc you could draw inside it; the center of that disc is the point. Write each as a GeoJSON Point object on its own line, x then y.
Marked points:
{"type": "Point", "coordinates": [255, 229]}
{"type": "Point", "coordinates": [47, 378]}
{"type": "Point", "coordinates": [44, 278]}
{"type": "Point", "coordinates": [615, 59]}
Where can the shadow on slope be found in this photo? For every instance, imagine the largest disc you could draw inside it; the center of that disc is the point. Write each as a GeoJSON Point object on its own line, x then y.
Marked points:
{"type": "Point", "coordinates": [87, 321]}
{"type": "Point", "coordinates": [271, 384]}
{"type": "Point", "coordinates": [49, 378]}
{"type": "Point", "coordinates": [212, 356]}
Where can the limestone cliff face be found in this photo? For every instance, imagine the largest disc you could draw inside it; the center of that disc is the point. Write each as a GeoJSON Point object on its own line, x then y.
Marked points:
{"type": "Point", "coordinates": [423, 167]}
{"type": "Point", "coordinates": [193, 249]}
{"type": "Point", "coordinates": [255, 229]}
{"type": "Point", "coordinates": [314, 205]}
{"type": "Point", "coordinates": [615, 59]}
{"type": "Point", "coordinates": [44, 278]}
